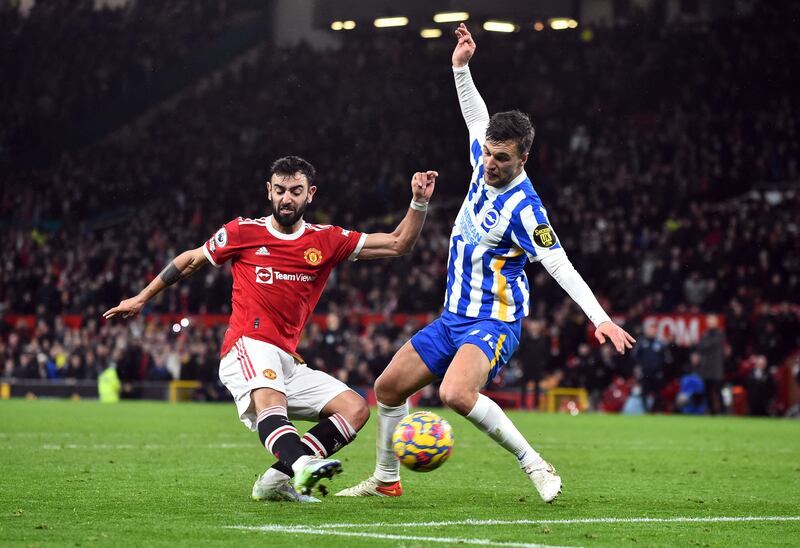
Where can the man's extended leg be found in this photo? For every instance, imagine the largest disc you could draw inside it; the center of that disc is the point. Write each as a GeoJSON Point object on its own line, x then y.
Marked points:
{"type": "Point", "coordinates": [404, 375]}
{"type": "Point", "coordinates": [340, 419]}
{"type": "Point", "coordinates": [460, 390]}
{"type": "Point", "coordinates": [279, 437]}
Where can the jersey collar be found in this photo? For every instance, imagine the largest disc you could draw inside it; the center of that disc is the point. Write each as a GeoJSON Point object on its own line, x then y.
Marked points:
{"type": "Point", "coordinates": [514, 182]}
{"type": "Point", "coordinates": [281, 235]}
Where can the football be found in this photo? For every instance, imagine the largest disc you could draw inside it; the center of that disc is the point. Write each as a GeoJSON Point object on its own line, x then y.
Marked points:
{"type": "Point", "coordinates": [423, 441]}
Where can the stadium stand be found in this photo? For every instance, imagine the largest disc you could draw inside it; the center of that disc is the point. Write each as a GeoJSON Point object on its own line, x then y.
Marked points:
{"type": "Point", "coordinates": [670, 192]}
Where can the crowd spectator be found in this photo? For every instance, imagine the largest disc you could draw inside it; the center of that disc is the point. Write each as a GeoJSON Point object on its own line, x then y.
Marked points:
{"type": "Point", "coordinates": [650, 356]}
{"type": "Point", "coordinates": [760, 387]}
{"type": "Point", "coordinates": [692, 391]}
{"type": "Point", "coordinates": [711, 351]}
{"type": "Point", "coordinates": [534, 358]}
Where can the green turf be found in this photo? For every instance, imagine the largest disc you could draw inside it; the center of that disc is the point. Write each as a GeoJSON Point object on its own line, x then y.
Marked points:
{"type": "Point", "coordinates": [82, 473]}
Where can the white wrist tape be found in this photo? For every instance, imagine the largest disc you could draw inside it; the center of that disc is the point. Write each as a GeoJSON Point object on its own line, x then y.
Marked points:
{"type": "Point", "coordinates": [419, 206]}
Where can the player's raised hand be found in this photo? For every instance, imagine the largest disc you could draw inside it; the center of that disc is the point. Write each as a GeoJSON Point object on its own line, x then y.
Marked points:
{"type": "Point", "coordinates": [620, 338]}
{"type": "Point", "coordinates": [465, 47]}
{"type": "Point", "coordinates": [127, 308]}
{"type": "Point", "coordinates": [422, 185]}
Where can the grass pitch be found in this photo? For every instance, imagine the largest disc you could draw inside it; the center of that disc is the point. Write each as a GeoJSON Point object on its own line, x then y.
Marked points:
{"type": "Point", "coordinates": [154, 474]}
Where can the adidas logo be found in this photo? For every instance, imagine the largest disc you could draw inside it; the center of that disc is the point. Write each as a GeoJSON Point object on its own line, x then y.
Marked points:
{"type": "Point", "coordinates": [262, 251]}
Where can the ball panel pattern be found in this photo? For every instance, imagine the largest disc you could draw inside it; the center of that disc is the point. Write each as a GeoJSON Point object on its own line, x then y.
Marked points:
{"type": "Point", "coordinates": [423, 441]}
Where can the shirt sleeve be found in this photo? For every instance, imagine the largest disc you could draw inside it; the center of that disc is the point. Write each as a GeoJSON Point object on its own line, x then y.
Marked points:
{"type": "Point", "coordinates": [560, 268]}
{"type": "Point", "coordinates": [224, 245]}
{"type": "Point", "coordinates": [532, 231]}
{"type": "Point", "coordinates": [345, 244]}
{"type": "Point", "coordinates": [474, 110]}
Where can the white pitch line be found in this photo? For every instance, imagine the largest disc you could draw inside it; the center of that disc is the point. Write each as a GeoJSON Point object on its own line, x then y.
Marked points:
{"type": "Point", "coordinates": [299, 530]}
{"type": "Point", "coordinates": [107, 446]}
{"type": "Point", "coordinates": [334, 529]}
{"type": "Point", "coordinates": [576, 521]}
{"type": "Point", "coordinates": [551, 445]}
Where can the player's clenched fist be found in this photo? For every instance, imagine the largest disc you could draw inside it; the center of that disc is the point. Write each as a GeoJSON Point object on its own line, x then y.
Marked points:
{"type": "Point", "coordinates": [465, 47]}
{"type": "Point", "coordinates": [422, 185]}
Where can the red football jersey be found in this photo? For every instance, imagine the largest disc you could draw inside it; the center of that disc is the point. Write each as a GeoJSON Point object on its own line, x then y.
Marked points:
{"type": "Point", "coordinates": [277, 278]}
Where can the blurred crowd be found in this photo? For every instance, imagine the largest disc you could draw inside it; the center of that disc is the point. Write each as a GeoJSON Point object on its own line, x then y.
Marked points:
{"type": "Point", "coordinates": [719, 373]}
{"type": "Point", "coordinates": [64, 56]}
{"type": "Point", "coordinates": [667, 158]}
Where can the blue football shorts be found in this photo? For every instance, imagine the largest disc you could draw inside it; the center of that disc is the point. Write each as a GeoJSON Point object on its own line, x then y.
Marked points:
{"type": "Point", "coordinates": [438, 343]}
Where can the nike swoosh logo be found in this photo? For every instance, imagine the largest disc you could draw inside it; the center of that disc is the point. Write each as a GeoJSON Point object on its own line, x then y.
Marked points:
{"type": "Point", "coordinates": [394, 490]}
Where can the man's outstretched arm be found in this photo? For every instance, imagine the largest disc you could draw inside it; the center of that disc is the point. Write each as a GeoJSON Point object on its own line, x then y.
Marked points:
{"type": "Point", "coordinates": [402, 239]}
{"type": "Point", "coordinates": [560, 268]}
{"type": "Point", "coordinates": [182, 266]}
{"type": "Point", "coordinates": [473, 107]}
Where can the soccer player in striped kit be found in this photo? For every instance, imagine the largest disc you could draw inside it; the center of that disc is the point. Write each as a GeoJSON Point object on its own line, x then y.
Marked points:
{"type": "Point", "coordinates": [502, 225]}
{"type": "Point", "coordinates": [279, 266]}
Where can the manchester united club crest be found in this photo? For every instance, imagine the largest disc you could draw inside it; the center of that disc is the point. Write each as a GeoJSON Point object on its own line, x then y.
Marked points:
{"type": "Point", "coordinates": [270, 374]}
{"type": "Point", "coordinates": [313, 256]}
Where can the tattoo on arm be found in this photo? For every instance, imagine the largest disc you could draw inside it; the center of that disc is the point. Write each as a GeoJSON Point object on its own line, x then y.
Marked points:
{"type": "Point", "coordinates": [171, 274]}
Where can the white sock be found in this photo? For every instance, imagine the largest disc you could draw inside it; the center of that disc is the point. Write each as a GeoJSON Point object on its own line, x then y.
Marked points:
{"type": "Point", "coordinates": [274, 476]}
{"type": "Point", "coordinates": [490, 419]}
{"type": "Point", "coordinates": [300, 463]}
{"type": "Point", "coordinates": [387, 467]}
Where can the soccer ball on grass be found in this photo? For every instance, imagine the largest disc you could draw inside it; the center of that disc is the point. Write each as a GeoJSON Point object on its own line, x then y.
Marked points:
{"type": "Point", "coordinates": [422, 441]}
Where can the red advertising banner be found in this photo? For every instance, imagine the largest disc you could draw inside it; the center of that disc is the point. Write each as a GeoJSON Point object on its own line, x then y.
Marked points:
{"type": "Point", "coordinates": [684, 329]}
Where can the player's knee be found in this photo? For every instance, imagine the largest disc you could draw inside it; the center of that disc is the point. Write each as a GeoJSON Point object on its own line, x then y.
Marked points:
{"type": "Point", "coordinates": [386, 393]}
{"type": "Point", "coordinates": [457, 398]}
{"type": "Point", "coordinates": [267, 397]}
{"type": "Point", "coordinates": [351, 406]}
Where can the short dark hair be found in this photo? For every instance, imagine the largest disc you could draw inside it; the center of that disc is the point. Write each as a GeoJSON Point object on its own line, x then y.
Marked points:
{"type": "Point", "coordinates": [289, 165]}
{"type": "Point", "coordinates": [512, 125]}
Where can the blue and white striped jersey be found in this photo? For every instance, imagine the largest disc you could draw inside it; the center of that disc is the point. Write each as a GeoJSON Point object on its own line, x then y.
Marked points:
{"type": "Point", "coordinates": [495, 233]}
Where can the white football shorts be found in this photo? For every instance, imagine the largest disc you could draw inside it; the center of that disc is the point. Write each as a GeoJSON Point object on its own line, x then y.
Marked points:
{"type": "Point", "coordinates": [251, 364]}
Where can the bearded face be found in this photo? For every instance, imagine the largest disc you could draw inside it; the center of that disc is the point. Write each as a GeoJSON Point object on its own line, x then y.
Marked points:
{"type": "Point", "coordinates": [287, 214]}
{"type": "Point", "coordinates": [289, 196]}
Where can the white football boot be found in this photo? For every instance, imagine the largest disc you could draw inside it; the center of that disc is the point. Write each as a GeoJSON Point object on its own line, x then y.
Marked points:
{"type": "Point", "coordinates": [275, 486]}
{"type": "Point", "coordinates": [546, 480]}
{"type": "Point", "coordinates": [371, 487]}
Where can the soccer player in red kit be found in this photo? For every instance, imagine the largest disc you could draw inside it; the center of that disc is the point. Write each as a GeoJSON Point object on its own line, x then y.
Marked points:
{"type": "Point", "coordinates": [280, 265]}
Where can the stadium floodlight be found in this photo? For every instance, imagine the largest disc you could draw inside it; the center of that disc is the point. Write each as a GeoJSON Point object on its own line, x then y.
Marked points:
{"type": "Point", "coordinates": [562, 23]}
{"type": "Point", "coordinates": [384, 22]}
{"type": "Point", "coordinates": [343, 25]}
{"type": "Point", "coordinates": [499, 26]}
{"type": "Point", "coordinates": [430, 33]}
{"type": "Point", "coordinates": [538, 26]}
{"type": "Point", "coordinates": [450, 17]}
